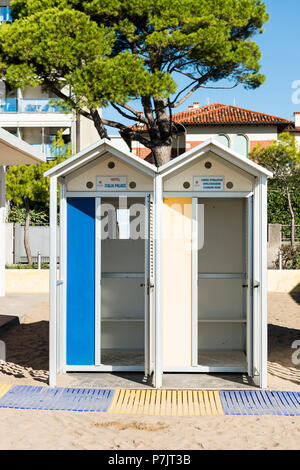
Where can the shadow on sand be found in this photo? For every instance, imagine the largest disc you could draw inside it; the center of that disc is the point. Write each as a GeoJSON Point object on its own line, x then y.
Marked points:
{"type": "Point", "coordinates": [295, 294]}
{"type": "Point", "coordinates": [26, 351]}
{"type": "Point", "coordinates": [283, 353]}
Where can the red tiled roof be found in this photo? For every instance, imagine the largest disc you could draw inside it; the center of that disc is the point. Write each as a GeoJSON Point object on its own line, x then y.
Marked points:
{"type": "Point", "coordinates": [224, 114]}
{"type": "Point", "coordinates": [218, 113]}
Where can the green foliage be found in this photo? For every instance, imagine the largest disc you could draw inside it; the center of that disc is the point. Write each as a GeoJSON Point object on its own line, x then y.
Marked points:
{"type": "Point", "coordinates": [26, 183]}
{"type": "Point", "coordinates": [278, 210]}
{"type": "Point", "coordinates": [17, 214]}
{"type": "Point", "coordinates": [59, 148]}
{"type": "Point", "coordinates": [113, 51]}
{"type": "Point", "coordinates": [290, 257]}
{"type": "Point", "coordinates": [27, 266]}
{"type": "Point", "coordinates": [67, 44]}
{"type": "Point", "coordinates": [283, 159]}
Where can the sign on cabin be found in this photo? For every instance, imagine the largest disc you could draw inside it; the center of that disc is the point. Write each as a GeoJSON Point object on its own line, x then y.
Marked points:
{"type": "Point", "coordinates": [111, 183]}
{"type": "Point", "coordinates": [208, 183]}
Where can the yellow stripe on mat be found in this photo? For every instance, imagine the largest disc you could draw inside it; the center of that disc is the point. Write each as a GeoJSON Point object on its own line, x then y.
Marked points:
{"type": "Point", "coordinates": [4, 389]}
{"type": "Point", "coordinates": [167, 402]}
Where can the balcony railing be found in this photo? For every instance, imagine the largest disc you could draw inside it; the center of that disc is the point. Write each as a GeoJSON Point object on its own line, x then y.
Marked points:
{"type": "Point", "coordinates": [9, 105]}
{"type": "Point", "coordinates": [37, 106]}
{"type": "Point", "coordinates": [47, 149]}
{"type": "Point", "coordinates": [23, 105]}
{"type": "Point", "coordinates": [50, 151]}
{"type": "Point", "coordinates": [5, 14]}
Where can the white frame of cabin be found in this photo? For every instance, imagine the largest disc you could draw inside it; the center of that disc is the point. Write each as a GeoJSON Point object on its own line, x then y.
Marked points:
{"type": "Point", "coordinates": [57, 330]}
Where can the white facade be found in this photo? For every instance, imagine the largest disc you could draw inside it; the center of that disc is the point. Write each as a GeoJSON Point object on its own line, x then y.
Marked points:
{"type": "Point", "coordinates": [239, 138]}
{"type": "Point", "coordinates": [296, 132]}
{"type": "Point", "coordinates": [32, 116]}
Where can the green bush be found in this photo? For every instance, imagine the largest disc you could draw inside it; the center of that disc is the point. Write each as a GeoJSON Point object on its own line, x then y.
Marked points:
{"type": "Point", "coordinates": [38, 216]}
{"type": "Point", "coordinates": [27, 266]}
{"type": "Point", "coordinates": [290, 257]}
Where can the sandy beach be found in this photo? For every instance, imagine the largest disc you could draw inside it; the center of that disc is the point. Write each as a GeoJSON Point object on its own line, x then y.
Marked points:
{"type": "Point", "coordinates": [27, 362]}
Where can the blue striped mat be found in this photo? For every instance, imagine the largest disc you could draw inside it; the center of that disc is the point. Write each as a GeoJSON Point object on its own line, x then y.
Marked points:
{"type": "Point", "coordinates": [260, 402]}
{"type": "Point", "coordinates": [43, 398]}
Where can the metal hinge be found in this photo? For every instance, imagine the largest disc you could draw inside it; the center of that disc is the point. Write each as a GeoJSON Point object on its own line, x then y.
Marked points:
{"type": "Point", "coordinates": [149, 286]}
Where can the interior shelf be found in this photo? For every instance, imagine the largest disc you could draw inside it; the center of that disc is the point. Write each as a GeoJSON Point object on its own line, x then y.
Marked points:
{"type": "Point", "coordinates": [122, 319]}
{"type": "Point", "coordinates": [221, 275]}
{"type": "Point", "coordinates": [122, 275]}
{"type": "Point", "coordinates": [222, 320]}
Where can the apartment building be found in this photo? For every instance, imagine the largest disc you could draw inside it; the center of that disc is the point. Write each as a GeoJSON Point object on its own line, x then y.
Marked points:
{"type": "Point", "coordinates": [33, 116]}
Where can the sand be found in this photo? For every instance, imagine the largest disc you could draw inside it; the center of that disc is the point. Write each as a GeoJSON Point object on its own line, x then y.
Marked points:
{"type": "Point", "coordinates": [70, 430]}
{"type": "Point", "coordinates": [27, 362]}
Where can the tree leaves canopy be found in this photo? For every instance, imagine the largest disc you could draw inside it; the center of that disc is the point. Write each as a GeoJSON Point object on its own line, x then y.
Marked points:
{"type": "Point", "coordinates": [282, 157]}
{"type": "Point", "coordinates": [114, 51]}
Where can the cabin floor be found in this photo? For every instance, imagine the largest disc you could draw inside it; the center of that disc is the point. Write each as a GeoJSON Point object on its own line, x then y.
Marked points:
{"type": "Point", "coordinates": [217, 358]}
{"type": "Point", "coordinates": [135, 380]}
{"type": "Point", "coordinates": [27, 351]}
{"type": "Point", "coordinates": [170, 380]}
{"type": "Point", "coordinates": [124, 357]}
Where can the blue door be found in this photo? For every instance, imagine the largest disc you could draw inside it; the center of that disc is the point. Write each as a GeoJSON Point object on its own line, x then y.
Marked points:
{"type": "Point", "coordinates": [80, 281]}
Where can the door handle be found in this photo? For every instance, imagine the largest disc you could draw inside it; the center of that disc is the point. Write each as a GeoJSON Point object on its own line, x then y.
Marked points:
{"type": "Point", "coordinates": [149, 286]}
{"type": "Point", "coordinates": [253, 284]}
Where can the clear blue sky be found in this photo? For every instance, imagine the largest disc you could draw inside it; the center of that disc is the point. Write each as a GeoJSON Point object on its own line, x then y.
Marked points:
{"type": "Point", "coordinates": [280, 46]}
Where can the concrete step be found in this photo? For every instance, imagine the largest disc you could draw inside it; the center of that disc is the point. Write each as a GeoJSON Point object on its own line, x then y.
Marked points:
{"type": "Point", "coordinates": [6, 321]}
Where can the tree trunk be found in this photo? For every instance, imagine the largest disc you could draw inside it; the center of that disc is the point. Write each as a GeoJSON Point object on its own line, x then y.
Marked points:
{"type": "Point", "coordinates": [162, 154]}
{"type": "Point", "coordinates": [292, 218]}
{"type": "Point", "coordinates": [26, 233]}
{"type": "Point", "coordinates": [99, 124]}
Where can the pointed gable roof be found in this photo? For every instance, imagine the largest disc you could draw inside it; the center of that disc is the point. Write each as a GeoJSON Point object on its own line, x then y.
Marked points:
{"type": "Point", "coordinates": [102, 147]}
{"type": "Point", "coordinates": [14, 151]}
{"type": "Point", "coordinates": [216, 147]}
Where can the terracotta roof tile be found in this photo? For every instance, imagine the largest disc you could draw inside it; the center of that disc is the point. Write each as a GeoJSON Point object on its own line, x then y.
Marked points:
{"type": "Point", "coordinates": [217, 113]}
{"type": "Point", "coordinates": [223, 114]}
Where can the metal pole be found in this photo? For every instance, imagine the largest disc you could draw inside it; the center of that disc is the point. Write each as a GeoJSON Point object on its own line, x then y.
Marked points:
{"type": "Point", "coordinates": [279, 259]}
{"type": "Point", "coordinates": [39, 261]}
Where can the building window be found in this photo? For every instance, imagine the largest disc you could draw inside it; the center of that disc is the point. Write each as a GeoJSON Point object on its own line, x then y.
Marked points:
{"type": "Point", "coordinates": [5, 14]}
{"type": "Point", "coordinates": [223, 139]}
{"type": "Point", "coordinates": [241, 145]}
